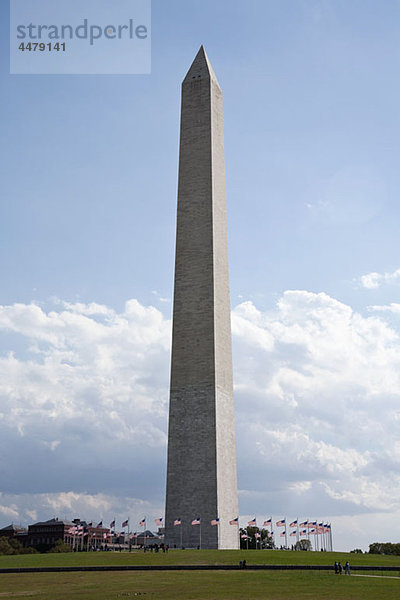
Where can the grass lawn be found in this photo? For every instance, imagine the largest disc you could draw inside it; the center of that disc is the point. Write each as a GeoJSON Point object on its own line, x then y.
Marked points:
{"type": "Point", "coordinates": [221, 585]}
{"type": "Point", "coordinates": [193, 557]}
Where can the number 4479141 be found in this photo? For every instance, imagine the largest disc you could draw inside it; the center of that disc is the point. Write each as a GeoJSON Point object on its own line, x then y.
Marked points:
{"type": "Point", "coordinates": [41, 46]}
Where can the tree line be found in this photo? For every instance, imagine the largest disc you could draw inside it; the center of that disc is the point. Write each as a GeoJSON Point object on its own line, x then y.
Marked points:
{"type": "Point", "coordinates": [384, 548]}
{"type": "Point", "coordinates": [9, 546]}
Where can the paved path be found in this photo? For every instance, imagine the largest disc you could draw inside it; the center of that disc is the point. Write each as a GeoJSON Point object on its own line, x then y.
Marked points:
{"type": "Point", "coordinates": [380, 576]}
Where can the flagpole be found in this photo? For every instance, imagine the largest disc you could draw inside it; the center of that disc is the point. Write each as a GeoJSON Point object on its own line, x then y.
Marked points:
{"type": "Point", "coordinates": [297, 531]}
{"type": "Point", "coordinates": [286, 542]}
{"type": "Point", "coordinates": [181, 536]}
{"type": "Point", "coordinates": [272, 532]}
{"type": "Point", "coordinates": [200, 533]}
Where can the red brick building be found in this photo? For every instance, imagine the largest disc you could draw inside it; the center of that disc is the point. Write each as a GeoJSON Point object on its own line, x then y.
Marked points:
{"type": "Point", "coordinates": [15, 532]}
{"type": "Point", "coordinates": [47, 533]}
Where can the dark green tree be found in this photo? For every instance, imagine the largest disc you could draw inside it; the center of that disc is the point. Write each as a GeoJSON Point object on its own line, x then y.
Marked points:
{"type": "Point", "coordinates": [265, 541]}
{"type": "Point", "coordinates": [5, 547]}
{"type": "Point", "coordinates": [60, 546]}
{"type": "Point", "coordinates": [303, 545]}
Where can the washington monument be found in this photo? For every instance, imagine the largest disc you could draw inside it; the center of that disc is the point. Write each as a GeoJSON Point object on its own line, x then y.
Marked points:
{"type": "Point", "coordinates": [201, 471]}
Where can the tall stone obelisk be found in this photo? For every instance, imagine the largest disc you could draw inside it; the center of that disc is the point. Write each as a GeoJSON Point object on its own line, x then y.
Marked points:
{"type": "Point", "coordinates": [201, 471]}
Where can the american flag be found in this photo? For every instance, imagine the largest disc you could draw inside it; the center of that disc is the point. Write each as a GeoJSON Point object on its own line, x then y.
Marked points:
{"type": "Point", "coordinates": [281, 523]}
{"type": "Point", "coordinates": [293, 524]}
{"type": "Point", "coordinates": [243, 536]}
{"type": "Point", "coordinates": [125, 523]}
{"type": "Point", "coordinates": [112, 524]}
{"type": "Point", "coordinates": [215, 522]}
{"type": "Point", "coordinates": [283, 533]}
{"type": "Point", "coordinates": [312, 531]}
{"type": "Point", "coordinates": [141, 524]}
{"type": "Point", "coordinates": [293, 533]}
{"type": "Point", "coordinates": [303, 532]}
{"type": "Point", "coordinates": [234, 521]}
{"type": "Point", "coordinates": [252, 523]}
{"type": "Point", "coordinates": [159, 522]}
{"type": "Point", "coordinates": [178, 522]}
{"type": "Point", "coordinates": [312, 523]}
{"type": "Point", "coordinates": [196, 521]}
{"type": "Point", "coordinates": [105, 536]}
{"type": "Point", "coordinates": [99, 524]}
{"type": "Point", "coordinates": [268, 522]}
{"type": "Point", "coordinates": [303, 524]}
{"type": "Point", "coordinates": [71, 530]}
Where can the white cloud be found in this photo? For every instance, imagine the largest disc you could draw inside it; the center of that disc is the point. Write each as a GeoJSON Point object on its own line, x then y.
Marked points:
{"type": "Point", "coordinates": [393, 307]}
{"type": "Point", "coordinates": [83, 409]}
{"type": "Point", "coordinates": [318, 408]}
{"type": "Point", "coordinates": [375, 280]}
{"type": "Point", "coordinates": [69, 505]}
{"type": "Point", "coordinates": [84, 392]}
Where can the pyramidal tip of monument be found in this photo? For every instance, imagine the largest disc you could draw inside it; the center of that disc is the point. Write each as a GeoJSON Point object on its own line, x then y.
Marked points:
{"type": "Point", "coordinates": [201, 68]}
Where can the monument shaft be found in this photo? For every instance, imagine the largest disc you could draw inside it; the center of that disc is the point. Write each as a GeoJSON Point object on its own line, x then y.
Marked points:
{"type": "Point", "coordinates": [201, 471]}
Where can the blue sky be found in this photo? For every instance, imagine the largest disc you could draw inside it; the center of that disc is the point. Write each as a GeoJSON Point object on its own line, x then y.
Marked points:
{"type": "Point", "coordinates": [88, 188]}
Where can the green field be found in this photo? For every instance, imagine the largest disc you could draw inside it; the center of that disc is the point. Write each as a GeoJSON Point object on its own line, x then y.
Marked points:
{"type": "Point", "coordinates": [196, 557]}
{"type": "Point", "coordinates": [196, 585]}
{"type": "Point", "coordinates": [223, 585]}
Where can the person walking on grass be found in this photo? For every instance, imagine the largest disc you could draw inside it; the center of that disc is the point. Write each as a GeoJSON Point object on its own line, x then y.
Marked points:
{"type": "Point", "coordinates": [347, 568]}
{"type": "Point", "coordinates": [336, 567]}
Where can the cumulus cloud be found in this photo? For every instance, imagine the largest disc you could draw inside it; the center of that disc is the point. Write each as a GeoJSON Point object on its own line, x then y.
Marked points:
{"type": "Point", "coordinates": [393, 307]}
{"type": "Point", "coordinates": [69, 505]}
{"type": "Point", "coordinates": [83, 397]}
{"type": "Point", "coordinates": [374, 280]}
{"type": "Point", "coordinates": [322, 406]}
{"type": "Point", "coordinates": [83, 409]}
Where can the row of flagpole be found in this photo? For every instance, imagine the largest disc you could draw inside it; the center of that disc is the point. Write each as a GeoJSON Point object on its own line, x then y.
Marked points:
{"type": "Point", "coordinates": [304, 529]}
{"type": "Point", "coordinates": [309, 528]}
